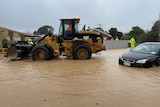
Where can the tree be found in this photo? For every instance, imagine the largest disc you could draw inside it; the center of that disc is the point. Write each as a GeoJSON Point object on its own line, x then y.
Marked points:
{"type": "Point", "coordinates": [141, 38]}
{"type": "Point", "coordinates": [5, 42]}
{"type": "Point", "coordinates": [119, 34]}
{"type": "Point", "coordinates": [125, 37]}
{"type": "Point", "coordinates": [44, 30]}
{"type": "Point", "coordinates": [115, 33]}
{"type": "Point", "coordinates": [136, 31]}
{"type": "Point", "coordinates": [156, 26]}
{"type": "Point", "coordinates": [153, 34]}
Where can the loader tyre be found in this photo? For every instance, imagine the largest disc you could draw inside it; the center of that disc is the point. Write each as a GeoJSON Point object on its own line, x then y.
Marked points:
{"type": "Point", "coordinates": [40, 52]}
{"type": "Point", "coordinates": [82, 52]}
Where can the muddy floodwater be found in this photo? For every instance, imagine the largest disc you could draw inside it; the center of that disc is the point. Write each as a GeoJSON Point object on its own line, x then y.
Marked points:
{"type": "Point", "coordinates": [99, 82]}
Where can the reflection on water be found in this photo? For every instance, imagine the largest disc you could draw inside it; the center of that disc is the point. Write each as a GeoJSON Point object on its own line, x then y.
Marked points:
{"type": "Point", "coordinates": [75, 83]}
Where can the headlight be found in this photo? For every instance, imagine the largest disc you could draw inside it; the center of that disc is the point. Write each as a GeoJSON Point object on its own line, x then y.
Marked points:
{"type": "Point", "coordinates": [120, 57]}
{"type": "Point", "coordinates": [142, 61]}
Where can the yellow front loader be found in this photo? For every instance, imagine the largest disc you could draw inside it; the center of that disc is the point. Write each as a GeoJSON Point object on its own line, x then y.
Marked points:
{"type": "Point", "coordinates": [69, 42]}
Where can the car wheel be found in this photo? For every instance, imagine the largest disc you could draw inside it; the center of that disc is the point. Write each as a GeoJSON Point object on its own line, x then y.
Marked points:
{"type": "Point", "coordinates": [120, 62]}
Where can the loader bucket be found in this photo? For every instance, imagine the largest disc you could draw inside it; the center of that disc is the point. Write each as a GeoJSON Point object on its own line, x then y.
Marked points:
{"type": "Point", "coordinates": [18, 51]}
{"type": "Point", "coordinates": [12, 52]}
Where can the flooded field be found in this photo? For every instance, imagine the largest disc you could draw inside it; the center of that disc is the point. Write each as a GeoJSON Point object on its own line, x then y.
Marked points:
{"type": "Point", "coordinates": [99, 82]}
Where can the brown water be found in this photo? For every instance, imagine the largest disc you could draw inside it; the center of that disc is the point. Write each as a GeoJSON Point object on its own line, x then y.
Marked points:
{"type": "Point", "coordinates": [78, 83]}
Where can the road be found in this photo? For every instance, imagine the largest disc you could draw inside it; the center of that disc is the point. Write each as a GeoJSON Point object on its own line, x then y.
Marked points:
{"type": "Point", "coordinates": [64, 82]}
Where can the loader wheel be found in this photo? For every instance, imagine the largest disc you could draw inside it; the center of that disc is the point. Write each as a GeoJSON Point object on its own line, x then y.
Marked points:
{"type": "Point", "coordinates": [40, 52]}
{"type": "Point", "coordinates": [82, 52]}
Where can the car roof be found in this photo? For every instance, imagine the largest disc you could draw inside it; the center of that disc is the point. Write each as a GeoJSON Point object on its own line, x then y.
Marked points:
{"type": "Point", "coordinates": [152, 43]}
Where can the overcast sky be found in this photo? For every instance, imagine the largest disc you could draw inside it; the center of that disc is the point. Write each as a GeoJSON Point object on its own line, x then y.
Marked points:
{"type": "Point", "coordinates": [29, 15]}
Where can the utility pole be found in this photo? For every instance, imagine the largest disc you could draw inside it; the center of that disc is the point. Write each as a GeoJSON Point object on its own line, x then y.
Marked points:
{"type": "Point", "coordinates": [159, 29]}
{"type": "Point", "coordinates": [100, 25]}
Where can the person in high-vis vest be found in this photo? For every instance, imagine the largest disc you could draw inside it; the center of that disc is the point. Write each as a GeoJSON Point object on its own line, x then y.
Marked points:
{"type": "Point", "coordinates": [30, 41]}
{"type": "Point", "coordinates": [117, 39]}
{"type": "Point", "coordinates": [132, 42]}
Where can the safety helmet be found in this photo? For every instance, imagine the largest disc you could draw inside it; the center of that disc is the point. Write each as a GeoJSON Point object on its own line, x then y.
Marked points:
{"type": "Point", "coordinates": [29, 39]}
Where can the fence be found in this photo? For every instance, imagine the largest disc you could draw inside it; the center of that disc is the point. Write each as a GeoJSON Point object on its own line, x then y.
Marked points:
{"type": "Point", "coordinates": [115, 44]}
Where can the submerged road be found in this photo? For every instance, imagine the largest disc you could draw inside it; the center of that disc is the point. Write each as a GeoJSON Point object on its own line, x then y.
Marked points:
{"type": "Point", "coordinates": [64, 82]}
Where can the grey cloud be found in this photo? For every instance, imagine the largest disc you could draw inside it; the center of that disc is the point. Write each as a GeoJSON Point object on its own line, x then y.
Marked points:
{"type": "Point", "coordinates": [31, 14]}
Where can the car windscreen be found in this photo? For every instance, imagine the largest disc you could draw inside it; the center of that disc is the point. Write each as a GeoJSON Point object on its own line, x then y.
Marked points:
{"type": "Point", "coordinates": [147, 49]}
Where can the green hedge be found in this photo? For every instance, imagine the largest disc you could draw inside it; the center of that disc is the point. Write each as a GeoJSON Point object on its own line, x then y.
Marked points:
{"type": "Point", "coordinates": [3, 49]}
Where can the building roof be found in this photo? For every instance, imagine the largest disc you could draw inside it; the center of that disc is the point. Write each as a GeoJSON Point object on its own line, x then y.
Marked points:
{"type": "Point", "coordinates": [102, 32]}
{"type": "Point", "coordinates": [3, 29]}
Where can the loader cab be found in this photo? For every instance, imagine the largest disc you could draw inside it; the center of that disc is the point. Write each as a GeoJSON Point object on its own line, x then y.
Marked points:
{"type": "Point", "coordinates": [68, 28]}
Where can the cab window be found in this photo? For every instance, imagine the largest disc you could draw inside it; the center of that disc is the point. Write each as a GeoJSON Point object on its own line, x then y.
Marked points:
{"type": "Point", "coordinates": [76, 27]}
{"type": "Point", "coordinates": [60, 30]}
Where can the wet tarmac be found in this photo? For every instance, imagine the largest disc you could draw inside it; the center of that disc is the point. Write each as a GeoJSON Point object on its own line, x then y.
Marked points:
{"type": "Point", "coordinates": [99, 82]}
